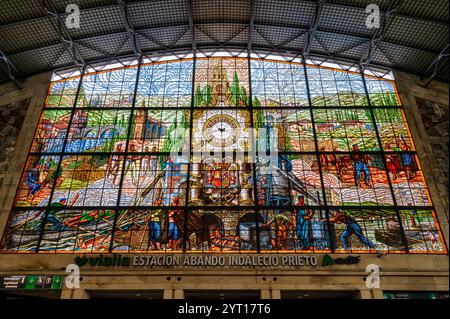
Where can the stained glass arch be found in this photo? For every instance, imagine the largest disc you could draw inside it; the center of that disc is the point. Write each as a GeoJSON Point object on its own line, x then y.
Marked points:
{"type": "Point", "coordinates": [223, 154]}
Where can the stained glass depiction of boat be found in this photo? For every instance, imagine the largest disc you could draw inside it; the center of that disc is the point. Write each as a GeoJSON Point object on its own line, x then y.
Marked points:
{"type": "Point", "coordinates": [52, 237]}
{"type": "Point", "coordinates": [29, 236]}
{"type": "Point", "coordinates": [393, 235]}
{"type": "Point", "coordinates": [394, 238]}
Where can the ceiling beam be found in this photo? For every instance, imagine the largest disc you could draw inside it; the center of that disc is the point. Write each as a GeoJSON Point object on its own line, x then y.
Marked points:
{"type": "Point", "coordinates": [435, 65]}
{"type": "Point", "coordinates": [240, 23]}
{"type": "Point", "coordinates": [11, 70]}
{"type": "Point", "coordinates": [60, 27]}
{"type": "Point", "coordinates": [130, 30]}
{"type": "Point", "coordinates": [251, 26]}
{"type": "Point", "coordinates": [378, 35]}
{"type": "Point", "coordinates": [191, 25]}
{"type": "Point", "coordinates": [313, 29]}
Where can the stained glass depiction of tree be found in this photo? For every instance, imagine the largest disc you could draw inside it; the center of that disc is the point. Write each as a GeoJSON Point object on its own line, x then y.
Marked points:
{"type": "Point", "coordinates": [163, 157]}
{"type": "Point", "coordinates": [221, 82]}
{"type": "Point", "coordinates": [339, 129]}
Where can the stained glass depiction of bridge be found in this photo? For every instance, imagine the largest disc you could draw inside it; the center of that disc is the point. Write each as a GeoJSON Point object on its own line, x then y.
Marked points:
{"type": "Point", "coordinates": [225, 173]}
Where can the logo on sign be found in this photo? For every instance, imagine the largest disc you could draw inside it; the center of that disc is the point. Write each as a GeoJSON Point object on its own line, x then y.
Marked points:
{"type": "Point", "coordinates": [350, 260]}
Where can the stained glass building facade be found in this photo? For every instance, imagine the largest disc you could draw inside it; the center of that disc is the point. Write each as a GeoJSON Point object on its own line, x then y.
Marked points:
{"type": "Point", "coordinates": [223, 154]}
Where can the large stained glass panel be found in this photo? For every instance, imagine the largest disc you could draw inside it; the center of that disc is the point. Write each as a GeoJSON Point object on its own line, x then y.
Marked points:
{"type": "Point", "coordinates": [223, 154]}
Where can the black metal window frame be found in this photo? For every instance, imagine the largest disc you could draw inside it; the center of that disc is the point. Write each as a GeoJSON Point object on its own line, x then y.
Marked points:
{"type": "Point", "coordinates": [325, 208]}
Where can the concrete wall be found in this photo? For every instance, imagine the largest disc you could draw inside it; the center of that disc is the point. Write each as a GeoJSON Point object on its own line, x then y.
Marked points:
{"type": "Point", "coordinates": [410, 90]}
{"type": "Point", "coordinates": [12, 116]}
{"type": "Point", "coordinates": [399, 272]}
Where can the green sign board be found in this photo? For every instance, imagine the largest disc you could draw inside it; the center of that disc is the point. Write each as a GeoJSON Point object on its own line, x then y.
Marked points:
{"type": "Point", "coordinates": [31, 282]}
{"type": "Point", "coordinates": [57, 282]}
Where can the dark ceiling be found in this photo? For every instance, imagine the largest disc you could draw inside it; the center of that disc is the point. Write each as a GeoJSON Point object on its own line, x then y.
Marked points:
{"type": "Point", "coordinates": [413, 36]}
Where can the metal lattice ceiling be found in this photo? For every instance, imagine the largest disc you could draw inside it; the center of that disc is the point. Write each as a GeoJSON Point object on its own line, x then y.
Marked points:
{"type": "Point", "coordinates": [413, 36]}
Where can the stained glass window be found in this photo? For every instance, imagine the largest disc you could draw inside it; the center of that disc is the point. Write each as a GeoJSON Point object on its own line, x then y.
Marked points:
{"type": "Point", "coordinates": [223, 154]}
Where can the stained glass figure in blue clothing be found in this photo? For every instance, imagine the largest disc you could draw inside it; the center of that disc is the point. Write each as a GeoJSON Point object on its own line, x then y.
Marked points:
{"type": "Point", "coordinates": [352, 227]}
{"type": "Point", "coordinates": [174, 230]}
{"type": "Point", "coordinates": [154, 226]}
{"type": "Point", "coordinates": [303, 224]}
{"type": "Point", "coordinates": [407, 159]}
{"type": "Point", "coordinates": [361, 165]}
{"type": "Point", "coordinates": [32, 181]}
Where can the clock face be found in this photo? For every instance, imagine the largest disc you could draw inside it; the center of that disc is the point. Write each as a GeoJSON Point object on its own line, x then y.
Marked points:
{"type": "Point", "coordinates": [221, 130]}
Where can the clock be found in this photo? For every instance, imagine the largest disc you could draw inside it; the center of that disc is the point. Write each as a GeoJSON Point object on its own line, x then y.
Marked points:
{"type": "Point", "coordinates": [221, 130]}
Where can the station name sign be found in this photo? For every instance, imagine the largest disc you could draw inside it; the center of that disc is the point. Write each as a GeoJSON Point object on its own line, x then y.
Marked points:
{"type": "Point", "coordinates": [206, 261]}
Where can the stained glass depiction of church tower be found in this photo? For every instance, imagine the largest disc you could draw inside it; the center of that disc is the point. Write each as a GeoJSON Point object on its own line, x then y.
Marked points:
{"type": "Point", "coordinates": [221, 82]}
{"type": "Point", "coordinates": [221, 174]}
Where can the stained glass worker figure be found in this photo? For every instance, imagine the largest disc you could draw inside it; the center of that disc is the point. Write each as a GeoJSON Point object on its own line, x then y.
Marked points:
{"type": "Point", "coordinates": [114, 163]}
{"type": "Point", "coordinates": [174, 231]}
{"type": "Point", "coordinates": [279, 238]}
{"type": "Point", "coordinates": [361, 165]}
{"type": "Point", "coordinates": [302, 224]}
{"type": "Point", "coordinates": [352, 227]}
{"type": "Point", "coordinates": [131, 165]}
{"type": "Point", "coordinates": [154, 226]}
{"type": "Point", "coordinates": [32, 181]}
{"type": "Point", "coordinates": [407, 158]}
